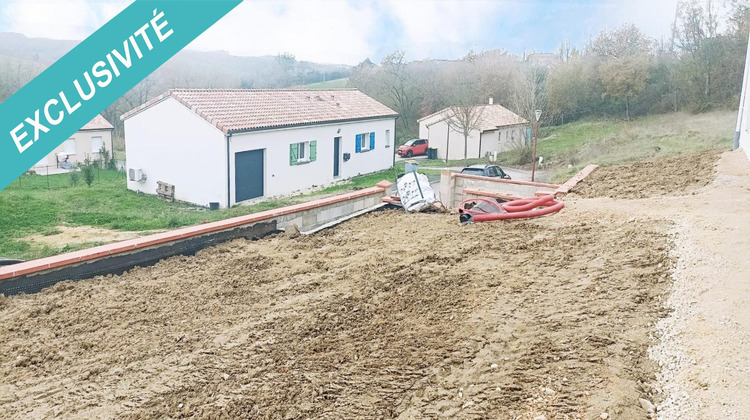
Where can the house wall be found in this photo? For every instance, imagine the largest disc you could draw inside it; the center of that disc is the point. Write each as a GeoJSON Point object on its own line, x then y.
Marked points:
{"type": "Point", "coordinates": [437, 134]}
{"type": "Point", "coordinates": [744, 141]}
{"type": "Point", "coordinates": [172, 144]}
{"type": "Point", "coordinates": [511, 137]}
{"type": "Point", "coordinates": [83, 147]}
{"type": "Point", "coordinates": [282, 178]}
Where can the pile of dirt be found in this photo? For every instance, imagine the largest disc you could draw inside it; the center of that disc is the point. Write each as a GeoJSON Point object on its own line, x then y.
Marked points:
{"type": "Point", "coordinates": [385, 315]}
{"type": "Point", "coordinates": [670, 176]}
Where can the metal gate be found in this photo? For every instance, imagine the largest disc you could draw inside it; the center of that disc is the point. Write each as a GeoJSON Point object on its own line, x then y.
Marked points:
{"type": "Point", "coordinates": [248, 175]}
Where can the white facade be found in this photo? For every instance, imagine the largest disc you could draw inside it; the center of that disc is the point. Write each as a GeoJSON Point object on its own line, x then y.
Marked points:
{"type": "Point", "coordinates": [82, 144]}
{"type": "Point", "coordinates": [742, 132]}
{"type": "Point", "coordinates": [503, 139]}
{"type": "Point", "coordinates": [170, 143]}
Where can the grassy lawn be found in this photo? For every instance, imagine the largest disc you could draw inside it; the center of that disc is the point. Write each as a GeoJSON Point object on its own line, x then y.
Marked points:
{"type": "Point", "coordinates": [36, 205]}
{"type": "Point", "coordinates": [569, 148]}
{"type": "Point", "coordinates": [329, 84]}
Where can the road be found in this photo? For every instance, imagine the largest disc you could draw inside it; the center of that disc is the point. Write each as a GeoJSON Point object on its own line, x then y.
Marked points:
{"type": "Point", "coordinates": [517, 174]}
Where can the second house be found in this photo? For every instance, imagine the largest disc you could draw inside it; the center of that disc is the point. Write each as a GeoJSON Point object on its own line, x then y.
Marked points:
{"type": "Point", "coordinates": [223, 146]}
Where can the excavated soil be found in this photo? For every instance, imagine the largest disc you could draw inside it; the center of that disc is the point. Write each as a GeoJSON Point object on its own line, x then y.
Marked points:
{"type": "Point", "coordinates": [387, 315]}
{"type": "Point", "coordinates": [669, 176]}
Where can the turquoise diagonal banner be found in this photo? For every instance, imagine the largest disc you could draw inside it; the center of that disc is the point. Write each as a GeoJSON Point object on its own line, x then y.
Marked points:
{"type": "Point", "coordinates": [84, 82]}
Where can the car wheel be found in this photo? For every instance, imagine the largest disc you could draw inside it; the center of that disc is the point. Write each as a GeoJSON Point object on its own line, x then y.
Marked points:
{"type": "Point", "coordinates": [409, 154]}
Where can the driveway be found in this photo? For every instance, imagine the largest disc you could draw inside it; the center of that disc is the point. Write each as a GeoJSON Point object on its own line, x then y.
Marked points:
{"type": "Point", "coordinates": [517, 174]}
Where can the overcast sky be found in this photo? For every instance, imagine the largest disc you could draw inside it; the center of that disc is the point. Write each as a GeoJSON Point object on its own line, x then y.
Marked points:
{"type": "Point", "coordinates": [347, 32]}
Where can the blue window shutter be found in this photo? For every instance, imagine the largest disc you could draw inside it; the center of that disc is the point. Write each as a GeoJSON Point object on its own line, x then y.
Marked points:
{"type": "Point", "coordinates": [358, 146]}
{"type": "Point", "coordinates": [292, 154]}
{"type": "Point", "coordinates": [372, 141]}
{"type": "Point", "coordinates": [313, 150]}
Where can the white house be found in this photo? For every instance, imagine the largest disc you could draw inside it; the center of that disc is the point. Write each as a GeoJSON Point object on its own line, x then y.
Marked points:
{"type": "Point", "coordinates": [226, 146]}
{"type": "Point", "coordinates": [499, 130]}
{"type": "Point", "coordinates": [86, 142]}
{"type": "Point", "coordinates": [742, 132]}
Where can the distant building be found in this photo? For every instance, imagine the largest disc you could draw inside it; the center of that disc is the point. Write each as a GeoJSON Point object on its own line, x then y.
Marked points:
{"type": "Point", "coordinates": [227, 146]}
{"type": "Point", "coordinates": [500, 130]}
{"type": "Point", "coordinates": [86, 142]}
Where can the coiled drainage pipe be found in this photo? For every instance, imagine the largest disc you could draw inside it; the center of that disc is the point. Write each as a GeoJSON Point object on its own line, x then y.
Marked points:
{"type": "Point", "coordinates": [486, 210]}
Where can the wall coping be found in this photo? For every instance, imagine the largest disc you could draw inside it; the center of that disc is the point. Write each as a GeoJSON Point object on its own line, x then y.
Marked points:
{"type": "Point", "coordinates": [56, 261]}
{"type": "Point", "coordinates": [572, 182]}
{"type": "Point", "coordinates": [505, 181]}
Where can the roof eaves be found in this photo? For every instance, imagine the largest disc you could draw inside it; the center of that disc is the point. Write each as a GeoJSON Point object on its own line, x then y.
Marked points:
{"type": "Point", "coordinates": [145, 105]}
{"type": "Point", "coordinates": [302, 124]}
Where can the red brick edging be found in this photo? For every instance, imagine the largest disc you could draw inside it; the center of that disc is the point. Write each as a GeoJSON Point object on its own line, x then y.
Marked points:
{"type": "Point", "coordinates": [56, 261]}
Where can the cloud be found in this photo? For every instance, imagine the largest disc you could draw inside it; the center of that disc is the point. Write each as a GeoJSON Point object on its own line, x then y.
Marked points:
{"type": "Point", "coordinates": [56, 19]}
{"type": "Point", "coordinates": [321, 31]}
{"type": "Point", "coordinates": [443, 29]}
{"type": "Point", "coordinates": [341, 31]}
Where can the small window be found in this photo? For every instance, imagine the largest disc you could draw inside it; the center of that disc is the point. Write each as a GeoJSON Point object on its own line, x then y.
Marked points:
{"type": "Point", "coordinates": [302, 152]}
{"type": "Point", "coordinates": [69, 146]}
{"type": "Point", "coordinates": [96, 144]}
{"type": "Point", "coordinates": [387, 138]}
{"type": "Point", "coordinates": [364, 141]}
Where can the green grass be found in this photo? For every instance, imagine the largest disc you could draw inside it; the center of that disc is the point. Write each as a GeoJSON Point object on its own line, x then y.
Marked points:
{"type": "Point", "coordinates": [612, 142]}
{"type": "Point", "coordinates": [329, 84]}
{"type": "Point", "coordinates": [36, 204]}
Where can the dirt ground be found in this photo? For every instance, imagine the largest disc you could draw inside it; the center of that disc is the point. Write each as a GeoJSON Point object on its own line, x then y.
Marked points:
{"type": "Point", "coordinates": [386, 315]}
{"type": "Point", "coordinates": [596, 312]}
{"type": "Point", "coordinates": [679, 175]}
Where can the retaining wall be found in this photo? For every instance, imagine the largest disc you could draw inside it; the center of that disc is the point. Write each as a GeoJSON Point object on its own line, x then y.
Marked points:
{"type": "Point", "coordinates": [115, 258]}
{"type": "Point", "coordinates": [456, 187]}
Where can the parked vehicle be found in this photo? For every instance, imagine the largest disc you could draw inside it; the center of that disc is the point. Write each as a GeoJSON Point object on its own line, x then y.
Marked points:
{"type": "Point", "coordinates": [414, 147]}
{"type": "Point", "coordinates": [492, 171]}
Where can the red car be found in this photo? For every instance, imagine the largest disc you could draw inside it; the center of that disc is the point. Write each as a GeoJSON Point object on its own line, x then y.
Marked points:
{"type": "Point", "coordinates": [414, 147]}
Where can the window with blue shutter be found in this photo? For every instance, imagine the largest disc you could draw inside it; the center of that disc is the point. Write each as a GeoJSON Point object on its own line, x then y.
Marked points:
{"type": "Point", "coordinates": [358, 145]}
{"type": "Point", "coordinates": [372, 141]}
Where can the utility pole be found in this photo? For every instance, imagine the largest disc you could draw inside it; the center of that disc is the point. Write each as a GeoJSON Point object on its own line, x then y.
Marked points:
{"type": "Point", "coordinates": [538, 114]}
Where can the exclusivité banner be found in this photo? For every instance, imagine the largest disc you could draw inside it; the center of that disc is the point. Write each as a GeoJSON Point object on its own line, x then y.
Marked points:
{"type": "Point", "coordinates": [97, 72]}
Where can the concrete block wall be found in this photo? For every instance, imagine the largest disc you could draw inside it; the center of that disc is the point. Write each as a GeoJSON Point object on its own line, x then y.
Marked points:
{"type": "Point", "coordinates": [455, 187]}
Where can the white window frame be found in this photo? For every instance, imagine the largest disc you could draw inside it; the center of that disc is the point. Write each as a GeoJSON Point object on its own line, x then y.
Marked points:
{"type": "Point", "coordinates": [364, 146]}
{"type": "Point", "coordinates": [68, 142]}
{"type": "Point", "coordinates": [387, 138]}
{"type": "Point", "coordinates": [303, 149]}
{"type": "Point", "coordinates": [101, 144]}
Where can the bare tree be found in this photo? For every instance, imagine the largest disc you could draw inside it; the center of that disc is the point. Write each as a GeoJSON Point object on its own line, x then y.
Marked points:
{"type": "Point", "coordinates": [465, 119]}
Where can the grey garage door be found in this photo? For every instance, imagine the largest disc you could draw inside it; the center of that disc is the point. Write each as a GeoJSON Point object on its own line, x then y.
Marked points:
{"type": "Point", "coordinates": [248, 175]}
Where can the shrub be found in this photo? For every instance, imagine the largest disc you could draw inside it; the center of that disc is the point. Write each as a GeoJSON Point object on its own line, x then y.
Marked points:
{"type": "Point", "coordinates": [87, 171]}
{"type": "Point", "coordinates": [525, 155]}
{"type": "Point", "coordinates": [75, 176]}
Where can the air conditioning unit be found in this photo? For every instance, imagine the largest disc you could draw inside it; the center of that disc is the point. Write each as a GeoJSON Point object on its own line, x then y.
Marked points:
{"type": "Point", "coordinates": [136, 175]}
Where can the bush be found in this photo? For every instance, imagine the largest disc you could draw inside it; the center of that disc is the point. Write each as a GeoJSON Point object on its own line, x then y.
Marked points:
{"type": "Point", "coordinates": [525, 155]}
{"type": "Point", "coordinates": [74, 177]}
{"type": "Point", "coordinates": [87, 171]}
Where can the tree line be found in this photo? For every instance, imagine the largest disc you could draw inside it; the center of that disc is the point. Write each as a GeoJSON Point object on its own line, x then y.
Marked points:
{"type": "Point", "coordinates": [619, 73]}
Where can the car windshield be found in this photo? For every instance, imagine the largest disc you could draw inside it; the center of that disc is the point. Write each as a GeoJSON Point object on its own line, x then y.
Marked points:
{"type": "Point", "coordinates": [473, 171]}
{"type": "Point", "coordinates": [410, 142]}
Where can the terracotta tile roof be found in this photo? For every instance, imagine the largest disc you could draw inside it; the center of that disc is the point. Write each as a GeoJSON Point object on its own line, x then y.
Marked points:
{"type": "Point", "coordinates": [98, 123]}
{"type": "Point", "coordinates": [236, 110]}
{"type": "Point", "coordinates": [493, 116]}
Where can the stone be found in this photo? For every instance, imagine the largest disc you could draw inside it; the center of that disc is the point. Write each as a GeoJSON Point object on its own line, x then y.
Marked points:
{"type": "Point", "coordinates": [604, 416]}
{"type": "Point", "coordinates": [292, 231]}
{"type": "Point", "coordinates": [647, 405]}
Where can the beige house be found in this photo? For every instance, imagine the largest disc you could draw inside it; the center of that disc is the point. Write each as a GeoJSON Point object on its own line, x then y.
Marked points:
{"type": "Point", "coordinates": [499, 130]}
{"type": "Point", "coordinates": [86, 142]}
